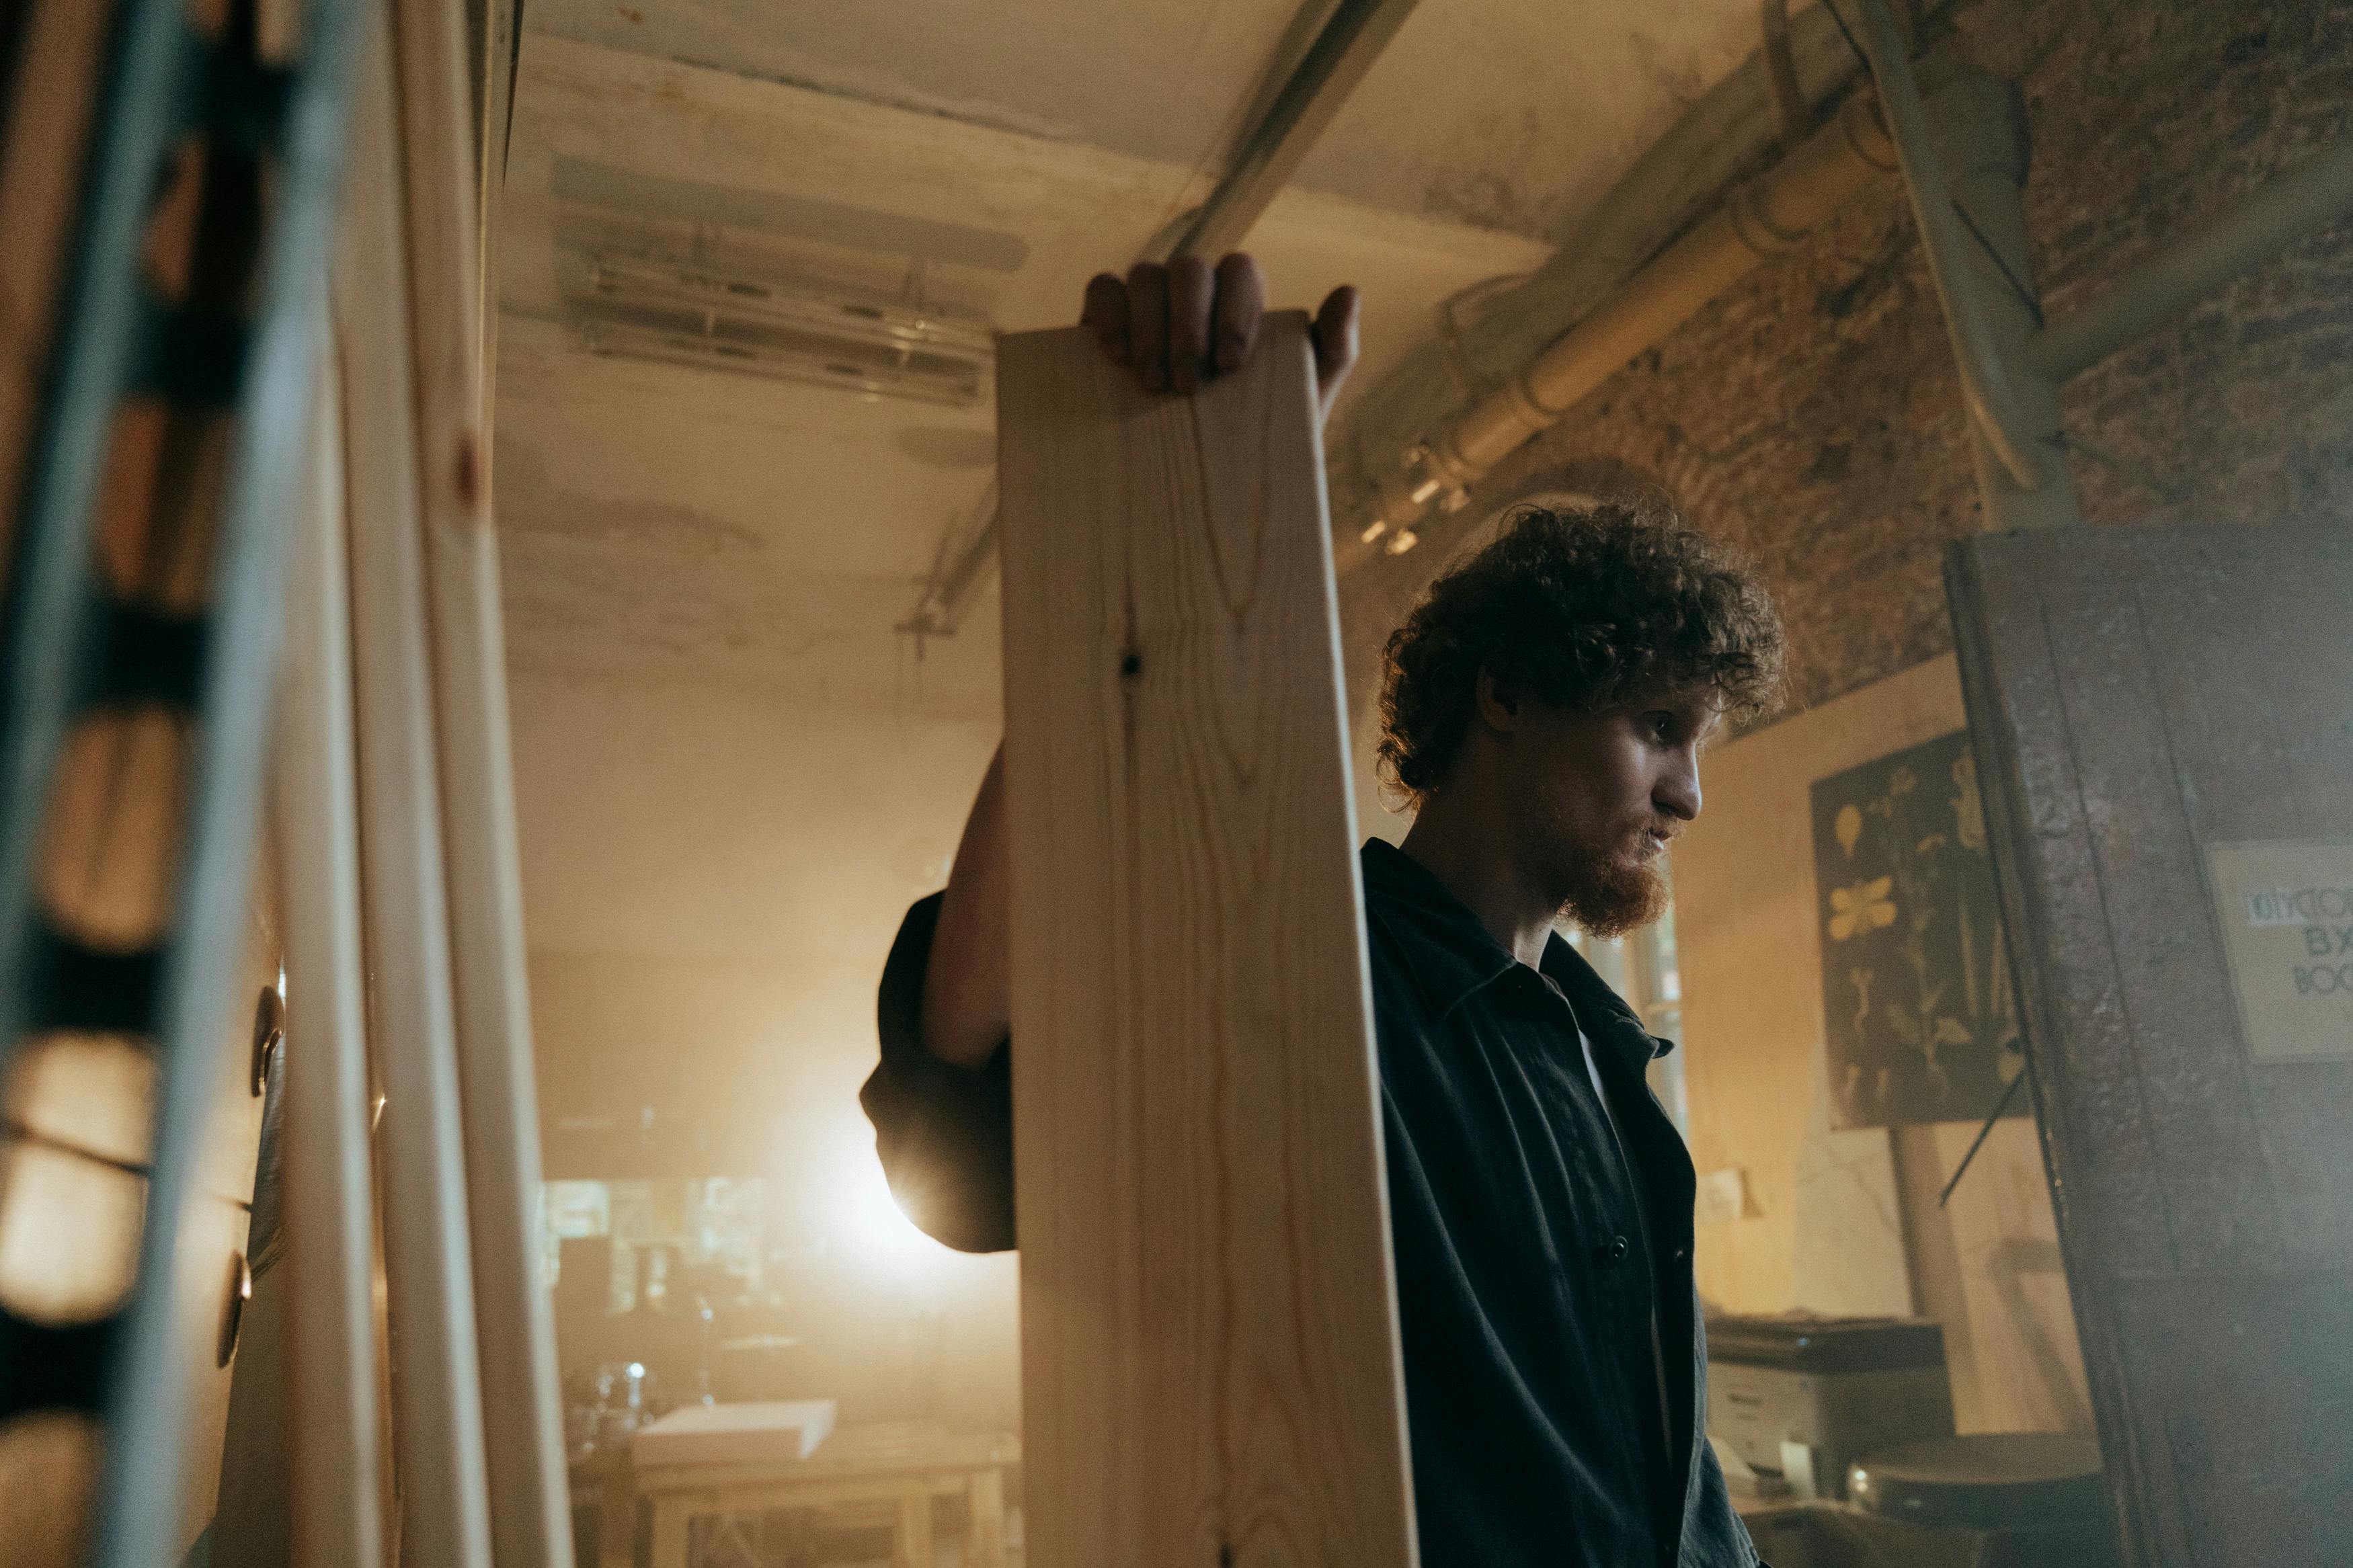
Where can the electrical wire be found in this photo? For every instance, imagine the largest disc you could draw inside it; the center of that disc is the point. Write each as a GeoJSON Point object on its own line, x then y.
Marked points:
{"type": "Point", "coordinates": [2017, 284]}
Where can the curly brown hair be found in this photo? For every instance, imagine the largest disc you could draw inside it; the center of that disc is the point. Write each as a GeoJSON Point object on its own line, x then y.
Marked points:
{"type": "Point", "coordinates": [1580, 608]}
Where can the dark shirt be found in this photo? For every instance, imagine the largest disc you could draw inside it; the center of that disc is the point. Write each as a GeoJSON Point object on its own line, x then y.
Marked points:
{"type": "Point", "coordinates": [1554, 1365]}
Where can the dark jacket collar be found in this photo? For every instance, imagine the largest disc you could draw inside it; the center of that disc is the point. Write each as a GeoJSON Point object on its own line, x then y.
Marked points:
{"type": "Point", "coordinates": [1454, 955]}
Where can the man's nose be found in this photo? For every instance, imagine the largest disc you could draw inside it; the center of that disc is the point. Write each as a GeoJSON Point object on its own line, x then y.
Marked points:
{"type": "Point", "coordinates": [1676, 792]}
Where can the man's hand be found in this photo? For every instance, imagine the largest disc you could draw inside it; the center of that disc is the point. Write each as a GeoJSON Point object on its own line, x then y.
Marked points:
{"type": "Point", "coordinates": [1176, 327]}
{"type": "Point", "coordinates": [1179, 325]}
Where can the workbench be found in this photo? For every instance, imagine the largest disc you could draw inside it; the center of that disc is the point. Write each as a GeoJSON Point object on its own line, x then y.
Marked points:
{"type": "Point", "coordinates": [907, 1469]}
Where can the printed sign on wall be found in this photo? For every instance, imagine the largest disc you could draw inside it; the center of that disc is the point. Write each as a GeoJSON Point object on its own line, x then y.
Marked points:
{"type": "Point", "coordinates": [1920, 1021]}
{"type": "Point", "coordinates": [2286, 914]}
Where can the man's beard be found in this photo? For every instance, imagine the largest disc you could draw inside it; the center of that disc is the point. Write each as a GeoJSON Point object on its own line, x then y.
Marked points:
{"type": "Point", "coordinates": [1611, 895]}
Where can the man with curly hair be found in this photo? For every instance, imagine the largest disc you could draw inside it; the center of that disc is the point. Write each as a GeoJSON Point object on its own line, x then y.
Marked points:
{"type": "Point", "coordinates": [1544, 710]}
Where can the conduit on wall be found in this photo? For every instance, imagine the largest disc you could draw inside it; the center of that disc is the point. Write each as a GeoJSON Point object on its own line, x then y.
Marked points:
{"type": "Point", "coordinates": [1763, 217]}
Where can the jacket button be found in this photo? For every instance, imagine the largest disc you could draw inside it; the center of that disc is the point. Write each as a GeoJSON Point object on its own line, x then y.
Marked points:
{"type": "Point", "coordinates": [1616, 1248]}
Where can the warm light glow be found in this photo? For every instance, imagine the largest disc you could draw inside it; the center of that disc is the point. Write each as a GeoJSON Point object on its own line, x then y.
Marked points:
{"type": "Point", "coordinates": [872, 1225]}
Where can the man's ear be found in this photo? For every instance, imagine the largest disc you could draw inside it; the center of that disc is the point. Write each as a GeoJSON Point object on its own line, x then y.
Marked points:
{"type": "Point", "coordinates": [1499, 705]}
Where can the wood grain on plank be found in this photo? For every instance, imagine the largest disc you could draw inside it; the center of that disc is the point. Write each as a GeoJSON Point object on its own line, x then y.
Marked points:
{"type": "Point", "coordinates": [531, 1517]}
{"type": "Point", "coordinates": [1209, 1319]}
{"type": "Point", "coordinates": [438, 1432]}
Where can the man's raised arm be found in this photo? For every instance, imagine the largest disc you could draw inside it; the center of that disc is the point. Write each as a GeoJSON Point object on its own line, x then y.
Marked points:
{"type": "Point", "coordinates": [941, 1101]}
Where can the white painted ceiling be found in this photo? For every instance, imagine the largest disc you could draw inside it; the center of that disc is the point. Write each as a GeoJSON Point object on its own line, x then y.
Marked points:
{"type": "Point", "coordinates": [711, 526]}
{"type": "Point", "coordinates": [723, 746]}
{"type": "Point", "coordinates": [1509, 114]}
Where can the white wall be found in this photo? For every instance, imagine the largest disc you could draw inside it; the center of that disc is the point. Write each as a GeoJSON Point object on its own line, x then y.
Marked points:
{"type": "Point", "coordinates": [1846, 1222]}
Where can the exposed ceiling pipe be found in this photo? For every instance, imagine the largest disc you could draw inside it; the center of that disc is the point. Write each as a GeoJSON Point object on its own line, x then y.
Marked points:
{"type": "Point", "coordinates": [1765, 216]}
{"type": "Point", "coordinates": [2314, 193]}
{"type": "Point", "coordinates": [1270, 153]}
{"type": "Point", "coordinates": [1345, 48]}
{"type": "Point", "coordinates": [2012, 416]}
{"type": "Point", "coordinates": [1792, 115]}
{"type": "Point", "coordinates": [1488, 333]}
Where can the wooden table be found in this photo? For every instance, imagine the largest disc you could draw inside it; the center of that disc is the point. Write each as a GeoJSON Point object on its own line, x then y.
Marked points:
{"type": "Point", "coordinates": [907, 1470]}
{"type": "Point", "coordinates": [734, 1434]}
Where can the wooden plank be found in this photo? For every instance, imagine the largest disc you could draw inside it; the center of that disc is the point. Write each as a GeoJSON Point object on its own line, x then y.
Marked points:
{"type": "Point", "coordinates": [1209, 1319]}
{"type": "Point", "coordinates": [436, 1383]}
{"type": "Point", "coordinates": [496, 54]}
{"type": "Point", "coordinates": [531, 1515]}
{"type": "Point", "coordinates": [337, 1520]}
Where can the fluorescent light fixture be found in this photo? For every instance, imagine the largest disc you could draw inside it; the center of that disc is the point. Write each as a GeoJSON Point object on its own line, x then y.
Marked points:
{"type": "Point", "coordinates": [681, 313]}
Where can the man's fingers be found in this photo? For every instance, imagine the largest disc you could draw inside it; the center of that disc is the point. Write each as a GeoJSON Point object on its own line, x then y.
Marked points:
{"type": "Point", "coordinates": [1191, 286]}
{"type": "Point", "coordinates": [1241, 303]}
{"type": "Point", "coordinates": [1147, 323]}
{"type": "Point", "coordinates": [1335, 343]}
{"type": "Point", "coordinates": [1176, 325]}
{"type": "Point", "coordinates": [1335, 333]}
{"type": "Point", "coordinates": [1106, 315]}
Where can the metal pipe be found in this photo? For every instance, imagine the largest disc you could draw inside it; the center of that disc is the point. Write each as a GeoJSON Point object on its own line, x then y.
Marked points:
{"type": "Point", "coordinates": [2308, 197]}
{"type": "Point", "coordinates": [2000, 408]}
{"type": "Point", "coordinates": [1966, 154]}
{"type": "Point", "coordinates": [1767, 216]}
{"type": "Point", "coordinates": [1344, 50]}
{"type": "Point", "coordinates": [1791, 113]}
{"type": "Point", "coordinates": [1334, 63]}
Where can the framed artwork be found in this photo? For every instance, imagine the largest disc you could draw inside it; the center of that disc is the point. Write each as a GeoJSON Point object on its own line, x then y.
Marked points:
{"type": "Point", "coordinates": [1921, 1020]}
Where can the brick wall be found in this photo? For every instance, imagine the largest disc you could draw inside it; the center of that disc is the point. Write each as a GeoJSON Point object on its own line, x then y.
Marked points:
{"type": "Point", "coordinates": [1813, 416]}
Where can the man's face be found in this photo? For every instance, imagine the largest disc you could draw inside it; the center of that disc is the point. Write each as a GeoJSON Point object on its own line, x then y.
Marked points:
{"type": "Point", "coordinates": [1596, 796]}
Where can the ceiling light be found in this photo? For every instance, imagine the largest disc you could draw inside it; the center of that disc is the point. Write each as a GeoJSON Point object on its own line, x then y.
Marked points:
{"type": "Point", "coordinates": [687, 313]}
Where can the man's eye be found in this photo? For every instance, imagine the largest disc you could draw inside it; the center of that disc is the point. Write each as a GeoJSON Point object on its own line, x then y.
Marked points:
{"type": "Point", "coordinates": [1663, 726]}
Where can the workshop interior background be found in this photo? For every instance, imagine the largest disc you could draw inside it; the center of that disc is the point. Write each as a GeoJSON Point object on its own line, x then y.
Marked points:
{"type": "Point", "coordinates": [745, 738]}
{"type": "Point", "coordinates": [696, 993]}
{"type": "Point", "coordinates": [704, 999]}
